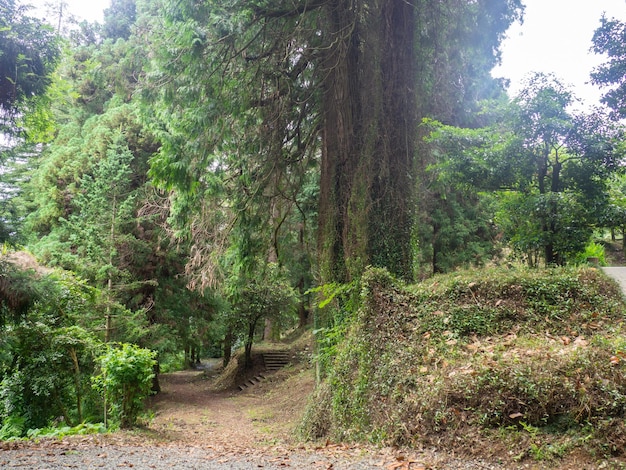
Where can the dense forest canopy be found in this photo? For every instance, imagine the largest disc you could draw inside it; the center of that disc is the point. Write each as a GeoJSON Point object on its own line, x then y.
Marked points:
{"type": "Point", "coordinates": [192, 172]}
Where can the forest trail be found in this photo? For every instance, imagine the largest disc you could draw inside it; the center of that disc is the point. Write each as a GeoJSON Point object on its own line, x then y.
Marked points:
{"type": "Point", "coordinates": [188, 412]}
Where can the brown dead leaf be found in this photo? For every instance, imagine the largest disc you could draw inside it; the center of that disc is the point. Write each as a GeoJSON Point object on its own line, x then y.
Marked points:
{"type": "Point", "coordinates": [515, 415]}
{"type": "Point", "coordinates": [615, 360]}
{"type": "Point", "coordinates": [499, 302]}
{"type": "Point", "coordinates": [565, 340]}
{"type": "Point", "coordinates": [402, 463]}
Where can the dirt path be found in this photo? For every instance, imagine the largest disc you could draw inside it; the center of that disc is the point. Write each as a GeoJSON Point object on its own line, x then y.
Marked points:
{"type": "Point", "coordinates": [187, 412]}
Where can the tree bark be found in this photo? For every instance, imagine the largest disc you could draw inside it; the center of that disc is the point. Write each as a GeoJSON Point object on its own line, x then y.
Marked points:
{"type": "Point", "coordinates": [249, 342]}
{"type": "Point", "coordinates": [228, 346]}
{"type": "Point", "coordinates": [369, 128]}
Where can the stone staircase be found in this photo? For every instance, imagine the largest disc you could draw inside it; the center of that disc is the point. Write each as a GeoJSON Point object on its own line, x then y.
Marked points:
{"type": "Point", "coordinates": [272, 361]}
{"type": "Point", "coordinates": [275, 360]}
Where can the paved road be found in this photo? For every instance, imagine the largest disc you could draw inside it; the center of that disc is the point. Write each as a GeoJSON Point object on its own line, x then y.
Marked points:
{"type": "Point", "coordinates": [619, 274]}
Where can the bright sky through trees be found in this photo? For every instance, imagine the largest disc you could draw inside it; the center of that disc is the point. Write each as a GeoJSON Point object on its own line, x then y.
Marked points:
{"type": "Point", "coordinates": [556, 37]}
{"type": "Point", "coordinates": [90, 10]}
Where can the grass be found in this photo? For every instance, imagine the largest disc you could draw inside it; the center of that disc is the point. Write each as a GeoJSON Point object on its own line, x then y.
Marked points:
{"type": "Point", "coordinates": [509, 360]}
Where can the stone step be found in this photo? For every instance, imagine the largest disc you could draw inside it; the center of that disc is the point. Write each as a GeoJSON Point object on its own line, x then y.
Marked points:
{"type": "Point", "coordinates": [276, 360]}
{"type": "Point", "coordinates": [253, 381]}
{"type": "Point", "coordinates": [273, 361]}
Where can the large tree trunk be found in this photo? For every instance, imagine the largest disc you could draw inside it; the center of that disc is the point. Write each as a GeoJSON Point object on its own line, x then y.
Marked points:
{"type": "Point", "coordinates": [369, 128]}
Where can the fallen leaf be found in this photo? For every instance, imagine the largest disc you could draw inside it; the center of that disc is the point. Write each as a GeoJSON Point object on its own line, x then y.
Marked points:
{"type": "Point", "coordinates": [615, 360]}
{"type": "Point", "coordinates": [515, 415]}
{"type": "Point", "coordinates": [406, 465]}
{"type": "Point", "coordinates": [565, 340]}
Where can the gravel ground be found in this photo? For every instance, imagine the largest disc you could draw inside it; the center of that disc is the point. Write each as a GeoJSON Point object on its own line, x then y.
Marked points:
{"type": "Point", "coordinates": [144, 458]}
{"type": "Point", "coordinates": [90, 454]}
{"type": "Point", "coordinates": [116, 457]}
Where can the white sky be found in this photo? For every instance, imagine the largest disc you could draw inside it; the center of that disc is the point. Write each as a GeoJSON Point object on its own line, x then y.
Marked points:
{"type": "Point", "coordinates": [90, 10]}
{"type": "Point", "coordinates": [555, 37]}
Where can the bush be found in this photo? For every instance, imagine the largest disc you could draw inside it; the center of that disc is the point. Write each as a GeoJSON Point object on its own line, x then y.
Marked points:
{"type": "Point", "coordinates": [592, 250]}
{"type": "Point", "coordinates": [125, 381]}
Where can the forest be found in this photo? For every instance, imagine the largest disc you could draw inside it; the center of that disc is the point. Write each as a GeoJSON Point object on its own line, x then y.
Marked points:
{"type": "Point", "coordinates": [191, 177]}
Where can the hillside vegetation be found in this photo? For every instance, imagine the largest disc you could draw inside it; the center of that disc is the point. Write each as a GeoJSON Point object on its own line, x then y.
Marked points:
{"type": "Point", "coordinates": [515, 362]}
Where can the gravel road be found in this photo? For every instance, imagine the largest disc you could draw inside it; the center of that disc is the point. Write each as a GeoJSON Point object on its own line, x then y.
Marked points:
{"type": "Point", "coordinates": [619, 274]}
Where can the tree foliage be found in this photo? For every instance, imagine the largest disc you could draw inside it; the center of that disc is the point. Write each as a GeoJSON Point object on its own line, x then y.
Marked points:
{"type": "Point", "coordinates": [610, 39]}
{"type": "Point", "coordinates": [48, 352]}
{"type": "Point", "coordinates": [234, 113]}
{"type": "Point", "coordinates": [546, 161]}
{"type": "Point", "coordinates": [28, 54]}
{"type": "Point", "coordinates": [119, 18]}
{"type": "Point", "coordinates": [463, 40]}
{"type": "Point", "coordinates": [267, 296]}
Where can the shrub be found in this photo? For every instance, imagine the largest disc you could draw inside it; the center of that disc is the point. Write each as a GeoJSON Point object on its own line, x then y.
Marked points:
{"type": "Point", "coordinates": [125, 381]}
{"type": "Point", "coordinates": [592, 250]}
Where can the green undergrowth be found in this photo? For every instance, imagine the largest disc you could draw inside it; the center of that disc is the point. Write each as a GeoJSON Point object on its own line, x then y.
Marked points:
{"type": "Point", "coordinates": [13, 429]}
{"type": "Point", "coordinates": [530, 363]}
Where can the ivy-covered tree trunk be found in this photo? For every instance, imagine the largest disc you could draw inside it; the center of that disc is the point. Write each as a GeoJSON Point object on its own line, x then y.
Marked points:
{"type": "Point", "coordinates": [369, 125]}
